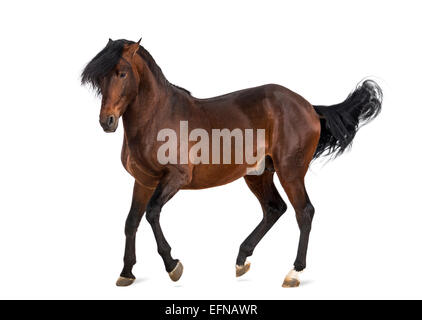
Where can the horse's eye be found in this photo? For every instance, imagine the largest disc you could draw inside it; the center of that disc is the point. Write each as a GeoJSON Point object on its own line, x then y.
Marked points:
{"type": "Point", "coordinates": [122, 74]}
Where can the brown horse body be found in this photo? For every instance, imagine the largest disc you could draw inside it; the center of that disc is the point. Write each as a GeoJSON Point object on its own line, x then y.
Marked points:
{"type": "Point", "coordinates": [282, 113]}
{"type": "Point", "coordinates": [133, 87]}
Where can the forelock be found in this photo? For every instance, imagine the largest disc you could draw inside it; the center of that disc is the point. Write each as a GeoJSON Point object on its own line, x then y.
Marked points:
{"type": "Point", "coordinates": [103, 63]}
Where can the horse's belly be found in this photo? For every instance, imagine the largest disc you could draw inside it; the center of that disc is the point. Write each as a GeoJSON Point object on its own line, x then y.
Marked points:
{"type": "Point", "coordinates": [208, 176]}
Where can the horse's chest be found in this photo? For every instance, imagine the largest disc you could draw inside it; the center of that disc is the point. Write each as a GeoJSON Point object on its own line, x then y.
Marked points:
{"type": "Point", "coordinates": [142, 175]}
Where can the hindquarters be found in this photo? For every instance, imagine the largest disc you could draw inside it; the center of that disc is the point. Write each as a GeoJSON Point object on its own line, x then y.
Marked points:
{"type": "Point", "coordinates": [295, 134]}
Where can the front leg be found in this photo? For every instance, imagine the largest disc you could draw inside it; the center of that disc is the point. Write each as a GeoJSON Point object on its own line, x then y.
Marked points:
{"type": "Point", "coordinates": [140, 198]}
{"type": "Point", "coordinates": [172, 182]}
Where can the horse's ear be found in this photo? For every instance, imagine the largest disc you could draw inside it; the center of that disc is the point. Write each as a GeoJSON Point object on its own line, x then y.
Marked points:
{"type": "Point", "coordinates": [109, 41]}
{"type": "Point", "coordinates": [133, 48]}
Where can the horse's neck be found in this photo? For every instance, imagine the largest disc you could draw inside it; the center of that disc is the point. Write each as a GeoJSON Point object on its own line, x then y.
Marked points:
{"type": "Point", "coordinates": [149, 102]}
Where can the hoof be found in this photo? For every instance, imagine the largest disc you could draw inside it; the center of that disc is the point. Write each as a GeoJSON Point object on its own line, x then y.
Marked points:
{"type": "Point", "coordinates": [177, 272]}
{"type": "Point", "coordinates": [290, 283]}
{"type": "Point", "coordinates": [124, 282]}
{"type": "Point", "coordinates": [241, 270]}
{"type": "Point", "coordinates": [291, 280]}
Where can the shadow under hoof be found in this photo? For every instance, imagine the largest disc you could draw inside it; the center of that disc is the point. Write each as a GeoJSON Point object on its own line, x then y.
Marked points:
{"type": "Point", "coordinates": [290, 283]}
{"type": "Point", "coordinates": [241, 270]}
{"type": "Point", "coordinates": [177, 272]}
{"type": "Point", "coordinates": [124, 282]}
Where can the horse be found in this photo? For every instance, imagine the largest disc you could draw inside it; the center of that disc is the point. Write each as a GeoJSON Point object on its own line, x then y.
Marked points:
{"type": "Point", "coordinates": [133, 87]}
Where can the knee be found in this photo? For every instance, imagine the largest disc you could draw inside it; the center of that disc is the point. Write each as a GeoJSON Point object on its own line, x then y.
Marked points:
{"type": "Point", "coordinates": [132, 223]}
{"type": "Point", "coordinates": [130, 229]}
{"type": "Point", "coordinates": [153, 213]}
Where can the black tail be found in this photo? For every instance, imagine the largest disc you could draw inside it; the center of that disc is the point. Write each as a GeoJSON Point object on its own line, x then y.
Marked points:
{"type": "Point", "coordinates": [340, 122]}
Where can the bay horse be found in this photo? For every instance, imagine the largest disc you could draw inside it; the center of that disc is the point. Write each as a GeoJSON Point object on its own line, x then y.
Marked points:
{"type": "Point", "coordinates": [132, 86]}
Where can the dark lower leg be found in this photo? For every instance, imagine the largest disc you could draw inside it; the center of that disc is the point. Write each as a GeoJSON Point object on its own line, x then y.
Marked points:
{"type": "Point", "coordinates": [164, 249]}
{"type": "Point", "coordinates": [296, 192]}
{"type": "Point", "coordinates": [139, 200]}
{"type": "Point", "coordinates": [298, 196]}
{"type": "Point", "coordinates": [167, 188]}
{"type": "Point", "coordinates": [273, 207]}
{"type": "Point", "coordinates": [129, 259]}
{"type": "Point", "coordinates": [271, 215]}
{"type": "Point", "coordinates": [304, 219]}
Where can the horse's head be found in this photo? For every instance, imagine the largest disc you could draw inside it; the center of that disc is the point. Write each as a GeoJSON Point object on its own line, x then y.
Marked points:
{"type": "Point", "coordinates": [113, 74]}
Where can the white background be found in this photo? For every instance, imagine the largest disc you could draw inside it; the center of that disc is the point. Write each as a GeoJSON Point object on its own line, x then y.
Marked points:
{"type": "Point", "coordinates": [65, 194]}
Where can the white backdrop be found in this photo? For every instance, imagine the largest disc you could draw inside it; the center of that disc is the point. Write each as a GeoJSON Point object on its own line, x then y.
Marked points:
{"type": "Point", "coordinates": [65, 194]}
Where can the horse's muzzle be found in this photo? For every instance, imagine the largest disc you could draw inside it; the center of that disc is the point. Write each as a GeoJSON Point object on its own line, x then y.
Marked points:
{"type": "Point", "coordinates": [109, 123]}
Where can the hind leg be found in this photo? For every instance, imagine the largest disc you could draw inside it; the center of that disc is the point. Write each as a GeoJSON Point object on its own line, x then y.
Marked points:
{"type": "Point", "coordinates": [295, 190]}
{"type": "Point", "coordinates": [291, 165]}
{"type": "Point", "coordinates": [273, 207]}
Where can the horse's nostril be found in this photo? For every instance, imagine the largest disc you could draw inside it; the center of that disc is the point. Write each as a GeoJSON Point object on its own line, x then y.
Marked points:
{"type": "Point", "coordinates": [109, 123]}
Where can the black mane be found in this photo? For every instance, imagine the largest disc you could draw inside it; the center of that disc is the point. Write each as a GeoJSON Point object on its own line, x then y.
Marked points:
{"type": "Point", "coordinates": [102, 64]}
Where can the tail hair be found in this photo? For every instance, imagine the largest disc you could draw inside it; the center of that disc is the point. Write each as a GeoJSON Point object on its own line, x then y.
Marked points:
{"type": "Point", "coordinates": [340, 122]}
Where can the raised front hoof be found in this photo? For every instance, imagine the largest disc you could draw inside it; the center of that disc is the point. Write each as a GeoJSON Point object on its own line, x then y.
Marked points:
{"type": "Point", "coordinates": [177, 272]}
{"type": "Point", "coordinates": [291, 280]}
{"type": "Point", "coordinates": [124, 282]}
{"type": "Point", "coordinates": [241, 270]}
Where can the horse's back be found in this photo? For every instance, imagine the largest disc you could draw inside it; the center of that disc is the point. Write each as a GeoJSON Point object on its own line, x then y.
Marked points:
{"type": "Point", "coordinates": [266, 98]}
{"type": "Point", "coordinates": [265, 107]}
